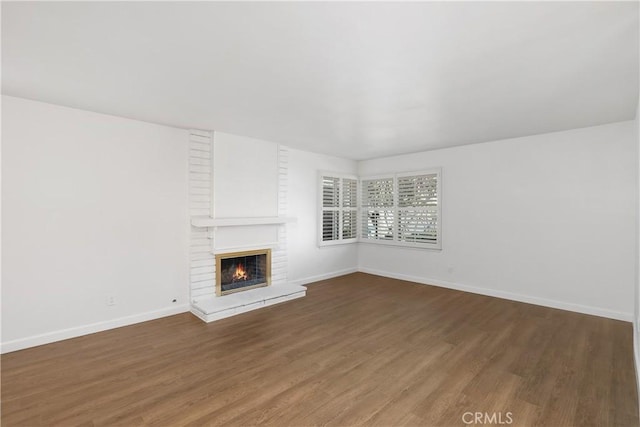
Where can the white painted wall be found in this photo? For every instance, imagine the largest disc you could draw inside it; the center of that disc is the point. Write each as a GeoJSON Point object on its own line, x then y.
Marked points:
{"type": "Point", "coordinates": [636, 322]}
{"type": "Point", "coordinates": [245, 172]}
{"type": "Point", "coordinates": [637, 287]}
{"type": "Point", "coordinates": [93, 206]}
{"type": "Point", "coordinates": [201, 259]}
{"type": "Point", "coordinates": [307, 261]}
{"type": "Point", "coordinates": [548, 219]}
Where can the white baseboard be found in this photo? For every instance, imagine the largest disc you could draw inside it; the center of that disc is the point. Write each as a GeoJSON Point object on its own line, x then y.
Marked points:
{"type": "Point", "coordinates": [64, 334]}
{"type": "Point", "coordinates": [311, 279]}
{"type": "Point", "coordinates": [636, 354]}
{"type": "Point", "coordinates": [595, 311]}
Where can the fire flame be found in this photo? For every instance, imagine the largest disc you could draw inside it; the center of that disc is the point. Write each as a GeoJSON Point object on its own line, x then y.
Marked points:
{"type": "Point", "coordinates": [240, 274]}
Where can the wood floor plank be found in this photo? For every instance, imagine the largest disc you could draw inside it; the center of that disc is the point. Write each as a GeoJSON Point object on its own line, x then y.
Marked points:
{"type": "Point", "coordinates": [357, 350]}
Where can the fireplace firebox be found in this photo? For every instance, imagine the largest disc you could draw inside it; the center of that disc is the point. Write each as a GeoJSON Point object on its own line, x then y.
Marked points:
{"type": "Point", "coordinates": [240, 271]}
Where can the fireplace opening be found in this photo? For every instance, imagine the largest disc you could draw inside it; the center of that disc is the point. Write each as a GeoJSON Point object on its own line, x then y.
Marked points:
{"type": "Point", "coordinates": [241, 271]}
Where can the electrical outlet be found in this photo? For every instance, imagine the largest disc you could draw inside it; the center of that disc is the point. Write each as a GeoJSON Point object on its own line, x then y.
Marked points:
{"type": "Point", "coordinates": [111, 300]}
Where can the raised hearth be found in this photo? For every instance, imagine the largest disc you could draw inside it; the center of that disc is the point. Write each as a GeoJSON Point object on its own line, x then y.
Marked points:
{"type": "Point", "coordinates": [214, 308]}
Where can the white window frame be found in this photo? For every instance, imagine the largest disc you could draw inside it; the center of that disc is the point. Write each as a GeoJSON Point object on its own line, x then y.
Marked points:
{"type": "Point", "coordinates": [395, 209]}
{"type": "Point", "coordinates": [340, 208]}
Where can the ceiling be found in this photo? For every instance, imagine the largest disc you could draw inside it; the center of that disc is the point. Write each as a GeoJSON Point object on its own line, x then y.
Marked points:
{"type": "Point", "coordinates": [355, 80]}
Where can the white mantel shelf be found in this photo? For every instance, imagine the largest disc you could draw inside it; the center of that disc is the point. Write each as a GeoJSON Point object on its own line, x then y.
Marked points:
{"type": "Point", "coordinates": [206, 221]}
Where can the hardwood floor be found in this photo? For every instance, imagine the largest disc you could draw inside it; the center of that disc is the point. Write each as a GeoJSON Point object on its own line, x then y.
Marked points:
{"type": "Point", "coordinates": [359, 349]}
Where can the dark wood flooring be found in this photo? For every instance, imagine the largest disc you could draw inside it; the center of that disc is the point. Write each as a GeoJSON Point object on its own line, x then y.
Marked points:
{"type": "Point", "coordinates": [358, 350]}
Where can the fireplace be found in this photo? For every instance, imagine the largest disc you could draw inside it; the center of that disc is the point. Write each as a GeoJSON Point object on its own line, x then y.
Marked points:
{"type": "Point", "coordinates": [240, 271]}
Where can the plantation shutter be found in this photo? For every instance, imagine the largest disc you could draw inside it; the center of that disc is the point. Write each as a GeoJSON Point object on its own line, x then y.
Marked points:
{"type": "Point", "coordinates": [377, 209]}
{"type": "Point", "coordinates": [402, 209]}
{"type": "Point", "coordinates": [339, 209]}
{"type": "Point", "coordinates": [349, 208]}
{"type": "Point", "coordinates": [330, 211]}
{"type": "Point", "coordinates": [418, 209]}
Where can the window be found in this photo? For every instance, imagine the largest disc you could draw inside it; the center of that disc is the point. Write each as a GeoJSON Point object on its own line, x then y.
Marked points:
{"type": "Point", "coordinates": [398, 209]}
{"type": "Point", "coordinates": [402, 209]}
{"type": "Point", "coordinates": [338, 209]}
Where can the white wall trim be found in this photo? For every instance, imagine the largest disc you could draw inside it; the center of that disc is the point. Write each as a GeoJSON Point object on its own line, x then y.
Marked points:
{"type": "Point", "coordinates": [64, 334]}
{"type": "Point", "coordinates": [595, 311]}
{"type": "Point", "coordinates": [325, 276]}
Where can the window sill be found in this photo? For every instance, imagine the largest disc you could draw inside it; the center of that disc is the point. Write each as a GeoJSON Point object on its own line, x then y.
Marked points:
{"type": "Point", "coordinates": [329, 243]}
{"type": "Point", "coordinates": [434, 247]}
